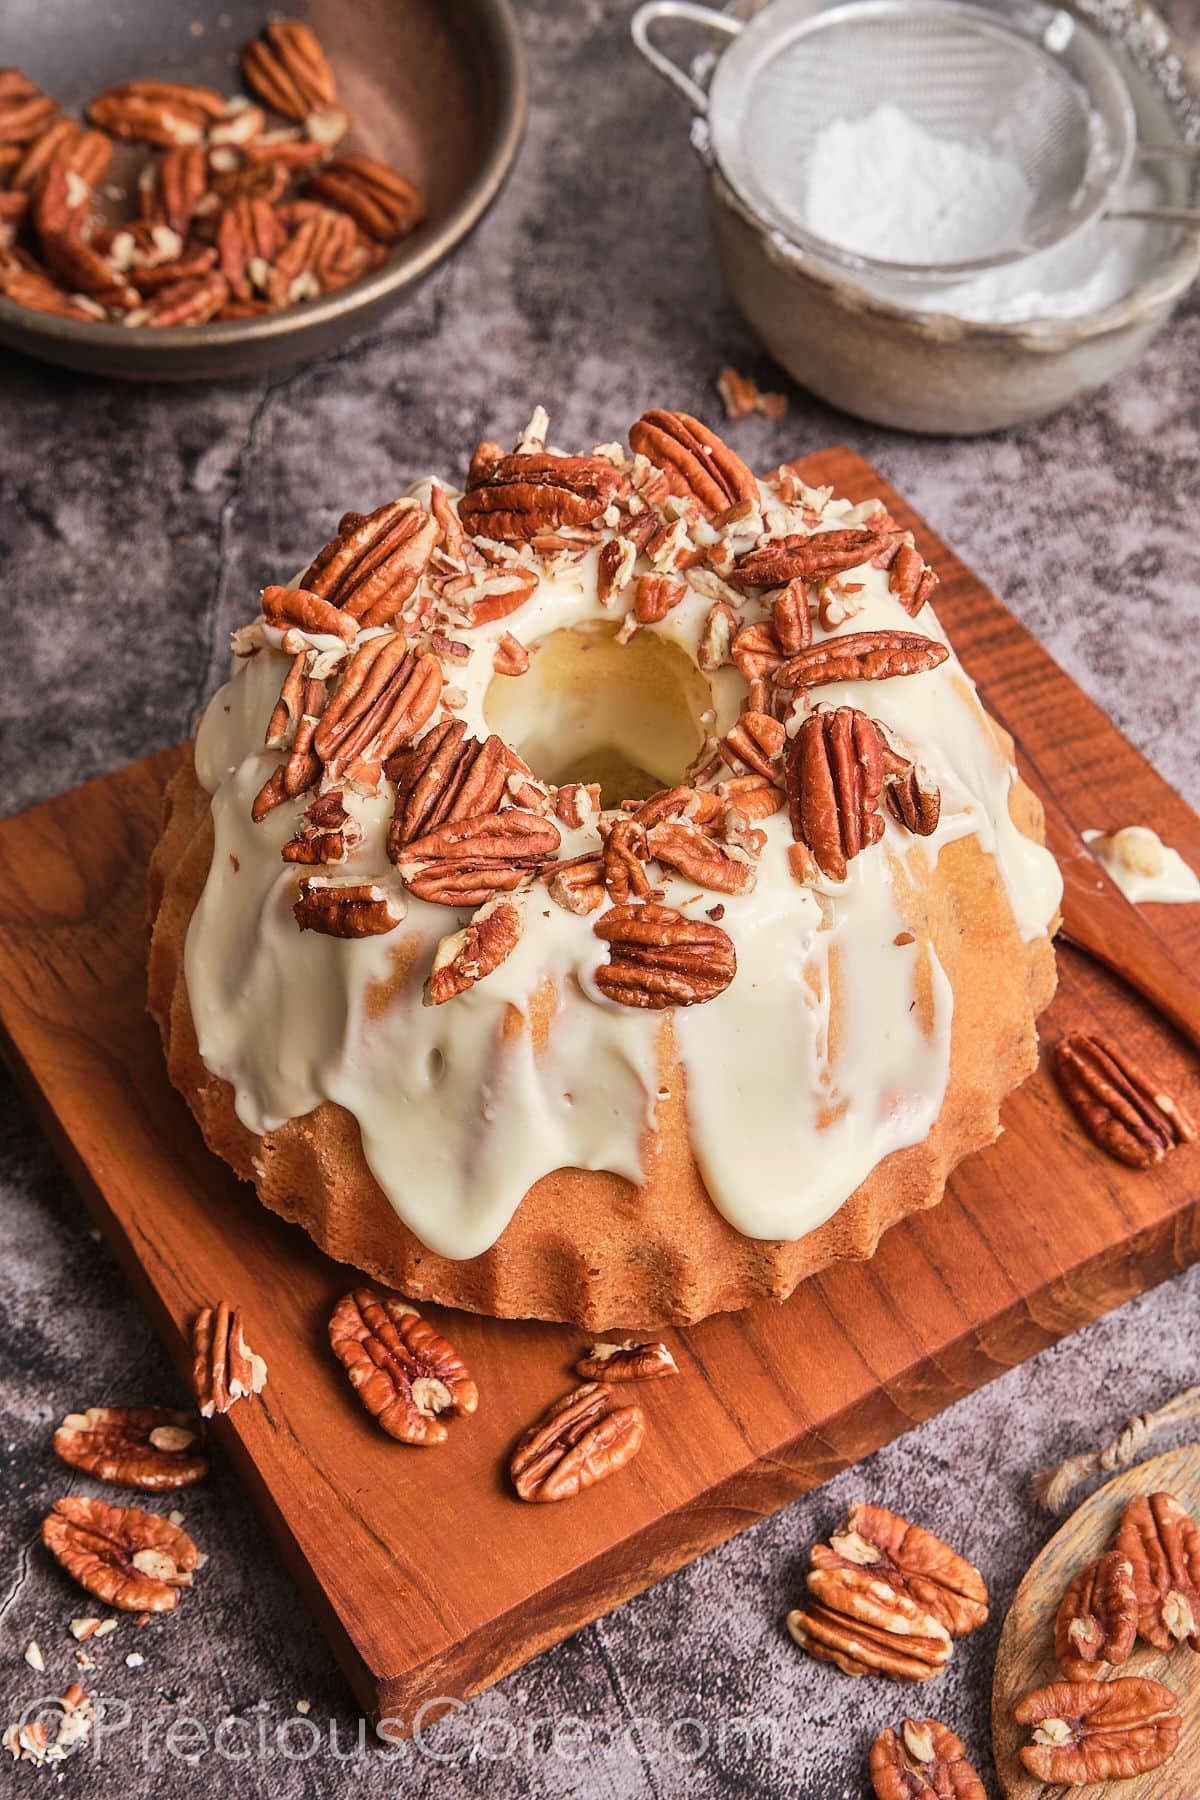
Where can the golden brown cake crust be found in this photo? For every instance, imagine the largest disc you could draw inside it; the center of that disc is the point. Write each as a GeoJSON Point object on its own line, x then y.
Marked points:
{"type": "Point", "coordinates": [589, 1247]}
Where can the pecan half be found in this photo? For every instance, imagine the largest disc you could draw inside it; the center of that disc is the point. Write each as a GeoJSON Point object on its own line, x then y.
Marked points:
{"type": "Point", "coordinates": [627, 1362]}
{"type": "Point", "coordinates": [834, 772]}
{"type": "Point", "coordinates": [292, 727]}
{"type": "Point", "coordinates": [157, 112]}
{"type": "Point", "coordinates": [373, 565]}
{"type": "Point", "coordinates": [321, 256]}
{"type": "Point", "coordinates": [655, 596]}
{"type": "Point", "coordinates": [1121, 1108]}
{"type": "Point", "coordinates": [659, 958]}
{"type": "Point", "coordinates": [578, 884]}
{"type": "Point", "coordinates": [520, 496]}
{"type": "Point", "coordinates": [85, 271]}
{"type": "Point", "coordinates": [445, 775]}
{"type": "Point", "coordinates": [385, 696]}
{"type": "Point", "coordinates": [700, 858]}
{"type": "Point", "coordinates": [224, 1368]}
{"type": "Point", "coordinates": [467, 956]}
{"type": "Point", "coordinates": [805, 559]}
{"type": "Point", "coordinates": [510, 656]}
{"type": "Point", "coordinates": [898, 1649]}
{"type": "Point", "coordinates": [791, 619]}
{"type": "Point", "coordinates": [583, 1438]}
{"type": "Point", "coordinates": [1086, 1731]}
{"type": "Point", "coordinates": [284, 606]}
{"type": "Point", "coordinates": [923, 1760]}
{"type": "Point", "coordinates": [327, 835]}
{"type": "Point", "coordinates": [1097, 1620]}
{"type": "Point", "coordinates": [189, 302]}
{"type": "Point", "coordinates": [288, 69]}
{"type": "Point", "coordinates": [466, 862]}
{"type": "Point", "coordinates": [624, 860]}
{"type": "Point", "coordinates": [697, 464]}
{"type": "Point", "coordinates": [28, 286]}
{"type": "Point", "coordinates": [130, 1559]}
{"type": "Point", "coordinates": [1161, 1541]}
{"type": "Point", "coordinates": [752, 797]}
{"type": "Point", "coordinates": [402, 1370]}
{"type": "Point", "coordinates": [910, 579]}
{"type": "Point", "coordinates": [147, 1447]}
{"type": "Point", "coordinates": [861, 656]}
{"type": "Point", "coordinates": [910, 1560]}
{"type": "Point", "coordinates": [25, 111]}
{"type": "Point", "coordinates": [757, 741]}
{"type": "Point", "coordinates": [378, 198]}
{"type": "Point", "coordinates": [249, 237]}
{"type": "Point", "coordinates": [346, 909]}
{"type": "Point", "coordinates": [177, 184]}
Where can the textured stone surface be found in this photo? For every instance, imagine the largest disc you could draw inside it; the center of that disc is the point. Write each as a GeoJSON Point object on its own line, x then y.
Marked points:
{"type": "Point", "coordinates": [135, 527]}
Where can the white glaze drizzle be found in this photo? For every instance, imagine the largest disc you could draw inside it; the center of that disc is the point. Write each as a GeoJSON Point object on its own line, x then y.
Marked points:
{"type": "Point", "coordinates": [1143, 867]}
{"type": "Point", "coordinates": [460, 1110]}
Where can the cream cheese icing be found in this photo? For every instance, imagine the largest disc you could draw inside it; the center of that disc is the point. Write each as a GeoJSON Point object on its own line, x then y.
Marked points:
{"type": "Point", "coordinates": [1143, 867]}
{"type": "Point", "coordinates": [830, 1049]}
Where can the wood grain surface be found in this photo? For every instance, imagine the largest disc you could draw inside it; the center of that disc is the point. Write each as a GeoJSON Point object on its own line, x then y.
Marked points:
{"type": "Point", "coordinates": [425, 1573]}
{"type": "Point", "coordinates": [1025, 1656]}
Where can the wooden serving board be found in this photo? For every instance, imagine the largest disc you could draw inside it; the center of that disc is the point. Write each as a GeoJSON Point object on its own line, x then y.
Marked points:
{"type": "Point", "coordinates": [426, 1574]}
{"type": "Point", "coordinates": [1025, 1657]}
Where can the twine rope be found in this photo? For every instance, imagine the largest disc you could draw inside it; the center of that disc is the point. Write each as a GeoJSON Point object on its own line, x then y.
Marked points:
{"type": "Point", "coordinates": [1053, 1486]}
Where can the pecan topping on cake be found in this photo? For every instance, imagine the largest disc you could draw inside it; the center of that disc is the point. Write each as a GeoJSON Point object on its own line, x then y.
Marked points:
{"type": "Point", "coordinates": [445, 775]}
{"type": "Point", "coordinates": [860, 656]}
{"type": "Point", "coordinates": [127, 1558]}
{"type": "Point", "coordinates": [346, 908]}
{"type": "Point", "coordinates": [402, 1370]}
{"type": "Point", "coordinates": [1120, 1107]}
{"type": "Point", "coordinates": [466, 862]}
{"type": "Point", "coordinates": [467, 956]}
{"type": "Point", "coordinates": [835, 772]}
{"type": "Point", "coordinates": [658, 958]}
{"type": "Point", "coordinates": [580, 1440]}
{"type": "Point", "coordinates": [697, 464]}
{"type": "Point", "coordinates": [911, 579]}
{"type": "Point", "coordinates": [805, 559]}
{"type": "Point", "coordinates": [284, 607]}
{"type": "Point", "coordinates": [516, 497]}
{"type": "Point", "coordinates": [148, 1447]}
{"type": "Point", "coordinates": [370, 569]}
{"type": "Point", "coordinates": [385, 695]}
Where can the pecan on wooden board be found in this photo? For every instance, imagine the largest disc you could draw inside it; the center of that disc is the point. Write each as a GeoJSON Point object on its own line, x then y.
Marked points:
{"type": "Point", "coordinates": [583, 1438]}
{"type": "Point", "coordinates": [404, 1372]}
{"type": "Point", "coordinates": [658, 957]}
{"type": "Point", "coordinates": [909, 1559]}
{"type": "Point", "coordinates": [1087, 1731]}
{"type": "Point", "coordinates": [922, 1760]}
{"type": "Point", "coordinates": [148, 1447]}
{"type": "Point", "coordinates": [224, 1368]}
{"type": "Point", "coordinates": [130, 1559]}
{"type": "Point", "coordinates": [1161, 1541]}
{"type": "Point", "coordinates": [1121, 1107]}
{"type": "Point", "coordinates": [627, 1362]}
{"type": "Point", "coordinates": [697, 464]}
{"type": "Point", "coordinates": [1097, 1620]}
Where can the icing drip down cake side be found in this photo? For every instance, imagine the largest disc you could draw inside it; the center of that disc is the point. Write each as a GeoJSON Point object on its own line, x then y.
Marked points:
{"type": "Point", "coordinates": [600, 895]}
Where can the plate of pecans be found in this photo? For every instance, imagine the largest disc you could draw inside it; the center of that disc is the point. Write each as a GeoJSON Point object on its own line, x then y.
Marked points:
{"type": "Point", "coordinates": [214, 192]}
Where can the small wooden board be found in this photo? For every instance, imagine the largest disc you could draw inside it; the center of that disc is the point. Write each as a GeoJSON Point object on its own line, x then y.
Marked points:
{"type": "Point", "coordinates": [1025, 1657]}
{"type": "Point", "coordinates": [428, 1577]}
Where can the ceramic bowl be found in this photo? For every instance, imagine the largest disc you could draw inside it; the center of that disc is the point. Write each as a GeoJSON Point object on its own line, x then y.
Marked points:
{"type": "Point", "coordinates": [435, 87]}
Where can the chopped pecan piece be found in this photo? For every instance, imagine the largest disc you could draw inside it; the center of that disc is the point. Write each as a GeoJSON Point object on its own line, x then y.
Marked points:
{"type": "Point", "coordinates": [861, 656]}
{"type": "Point", "coordinates": [697, 464]}
{"type": "Point", "coordinates": [292, 727]}
{"type": "Point", "coordinates": [130, 1559]}
{"type": "Point", "coordinates": [627, 1362]}
{"type": "Point", "coordinates": [756, 651]}
{"type": "Point", "coordinates": [327, 835]}
{"type": "Point", "coordinates": [284, 606]}
{"type": "Point", "coordinates": [467, 861]}
{"type": "Point", "coordinates": [800, 558]}
{"type": "Point", "coordinates": [752, 797]}
{"type": "Point", "coordinates": [624, 860]}
{"type": "Point", "coordinates": [1088, 1731]}
{"type": "Point", "coordinates": [923, 1760]}
{"type": "Point", "coordinates": [583, 1438]}
{"type": "Point", "coordinates": [467, 956]}
{"type": "Point", "coordinates": [791, 619]}
{"type": "Point", "coordinates": [288, 69]}
{"type": "Point", "coordinates": [716, 639]}
{"type": "Point", "coordinates": [147, 1447]}
{"type": "Point", "coordinates": [385, 696]}
{"type": "Point", "coordinates": [1161, 1541]}
{"type": "Point", "coordinates": [378, 198]}
{"type": "Point", "coordinates": [165, 113]}
{"type": "Point", "coordinates": [757, 740]}
{"type": "Point", "coordinates": [910, 1560]}
{"type": "Point", "coordinates": [898, 1649]}
{"type": "Point", "coordinates": [577, 884]}
{"type": "Point", "coordinates": [910, 579]}
{"type": "Point", "coordinates": [917, 807]}
{"type": "Point", "coordinates": [1097, 1619]}
{"type": "Point", "coordinates": [224, 1368]}
{"type": "Point", "coordinates": [520, 496]}
{"type": "Point", "coordinates": [659, 958]}
{"type": "Point", "coordinates": [446, 775]}
{"type": "Point", "coordinates": [373, 565]}
{"type": "Point", "coordinates": [510, 656]}
{"type": "Point", "coordinates": [614, 568]}
{"type": "Point", "coordinates": [402, 1370]}
{"type": "Point", "coordinates": [1121, 1108]}
{"type": "Point", "coordinates": [835, 771]}
{"type": "Point", "coordinates": [741, 396]}
{"type": "Point", "coordinates": [700, 858]}
{"type": "Point", "coordinates": [655, 596]}
{"type": "Point", "coordinates": [346, 909]}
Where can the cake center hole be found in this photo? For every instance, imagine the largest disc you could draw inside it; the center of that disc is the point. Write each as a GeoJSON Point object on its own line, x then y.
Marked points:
{"type": "Point", "coordinates": [591, 709]}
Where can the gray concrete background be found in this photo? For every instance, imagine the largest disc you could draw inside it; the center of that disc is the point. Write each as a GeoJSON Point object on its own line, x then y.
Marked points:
{"type": "Point", "coordinates": [135, 529]}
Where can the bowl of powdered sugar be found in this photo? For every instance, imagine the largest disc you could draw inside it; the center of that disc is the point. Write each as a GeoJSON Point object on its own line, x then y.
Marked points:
{"type": "Point", "coordinates": [947, 215]}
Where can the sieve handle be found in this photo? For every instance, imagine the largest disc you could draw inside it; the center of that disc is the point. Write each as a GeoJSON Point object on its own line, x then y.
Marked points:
{"type": "Point", "coordinates": [650, 15]}
{"type": "Point", "coordinates": [1162, 215]}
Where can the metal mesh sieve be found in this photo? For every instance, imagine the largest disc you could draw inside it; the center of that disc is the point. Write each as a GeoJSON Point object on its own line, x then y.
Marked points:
{"type": "Point", "coordinates": [1021, 80]}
